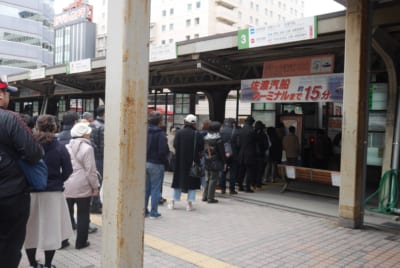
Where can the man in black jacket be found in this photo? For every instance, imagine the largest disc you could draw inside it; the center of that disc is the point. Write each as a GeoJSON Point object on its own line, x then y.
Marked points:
{"type": "Point", "coordinates": [247, 155]}
{"type": "Point", "coordinates": [15, 141]}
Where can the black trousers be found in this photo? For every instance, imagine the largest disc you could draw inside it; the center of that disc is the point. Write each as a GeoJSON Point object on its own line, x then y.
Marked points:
{"type": "Point", "coordinates": [247, 172]}
{"type": "Point", "coordinates": [82, 221]}
{"type": "Point", "coordinates": [14, 214]}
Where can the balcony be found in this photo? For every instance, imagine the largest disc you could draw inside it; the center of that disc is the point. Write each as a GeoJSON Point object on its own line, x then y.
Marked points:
{"type": "Point", "coordinates": [225, 15]}
{"type": "Point", "coordinates": [228, 3]}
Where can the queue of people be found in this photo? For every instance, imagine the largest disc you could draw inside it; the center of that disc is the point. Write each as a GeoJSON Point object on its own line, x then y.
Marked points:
{"type": "Point", "coordinates": [247, 156]}
{"type": "Point", "coordinates": [44, 219]}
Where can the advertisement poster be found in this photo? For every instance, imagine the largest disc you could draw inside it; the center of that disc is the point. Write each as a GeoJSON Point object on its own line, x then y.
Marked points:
{"type": "Point", "coordinates": [312, 88]}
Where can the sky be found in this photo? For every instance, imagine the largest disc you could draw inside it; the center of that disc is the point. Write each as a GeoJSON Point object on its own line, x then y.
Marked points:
{"type": "Point", "coordinates": [312, 7]}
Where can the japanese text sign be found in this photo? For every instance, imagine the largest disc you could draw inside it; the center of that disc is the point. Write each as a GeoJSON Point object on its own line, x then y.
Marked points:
{"type": "Point", "coordinates": [283, 32]}
{"type": "Point", "coordinates": [312, 88]}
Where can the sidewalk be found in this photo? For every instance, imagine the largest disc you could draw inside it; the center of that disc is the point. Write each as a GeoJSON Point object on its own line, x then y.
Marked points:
{"type": "Point", "coordinates": [250, 230]}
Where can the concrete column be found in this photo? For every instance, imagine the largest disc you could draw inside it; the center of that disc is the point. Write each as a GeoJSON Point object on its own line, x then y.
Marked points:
{"type": "Point", "coordinates": [127, 70]}
{"type": "Point", "coordinates": [354, 115]}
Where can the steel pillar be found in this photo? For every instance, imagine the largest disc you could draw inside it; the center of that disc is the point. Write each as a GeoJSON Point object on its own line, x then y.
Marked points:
{"type": "Point", "coordinates": [125, 133]}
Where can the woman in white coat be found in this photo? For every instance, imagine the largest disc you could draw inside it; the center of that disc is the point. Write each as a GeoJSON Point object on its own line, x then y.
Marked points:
{"type": "Point", "coordinates": [83, 182]}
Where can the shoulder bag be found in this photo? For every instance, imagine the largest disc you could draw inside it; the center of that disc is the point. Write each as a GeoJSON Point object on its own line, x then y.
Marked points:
{"type": "Point", "coordinates": [196, 170]}
{"type": "Point", "coordinates": [36, 174]}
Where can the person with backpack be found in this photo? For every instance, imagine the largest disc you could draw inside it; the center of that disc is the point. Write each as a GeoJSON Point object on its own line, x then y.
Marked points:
{"type": "Point", "coordinates": [214, 155]}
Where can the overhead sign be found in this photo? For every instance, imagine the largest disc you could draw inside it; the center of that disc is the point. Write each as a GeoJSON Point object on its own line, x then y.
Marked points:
{"type": "Point", "coordinates": [312, 88]}
{"type": "Point", "coordinates": [320, 64]}
{"type": "Point", "coordinates": [37, 73]}
{"type": "Point", "coordinates": [79, 66]}
{"type": "Point", "coordinates": [284, 32]}
{"type": "Point", "coordinates": [162, 52]}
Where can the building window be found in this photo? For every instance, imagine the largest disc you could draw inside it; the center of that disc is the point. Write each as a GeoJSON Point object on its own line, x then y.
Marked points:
{"type": "Point", "coordinates": [171, 26]}
{"type": "Point", "coordinates": [171, 11]}
{"type": "Point", "coordinates": [164, 13]}
{"type": "Point", "coordinates": [163, 42]}
{"type": "Point", "coordinates": [256, 21]}
{"type": "Point", "coordinates": [257, 7]}
{"type": "Point", "coordinates": [171, 40]}
{"type": "Point", "coordinates": [196, 21]}
{"type": "Point", "coordinates": [189, 7]}
{"type": "Point", "coordinates": [188, 23]}
{"type": "Point", "coordinates": [163, 28]}
{"type": "Point", "coordinates": [198, 4]}
{"type": "Point", "coordinates": [251, 19]}
{"type": "Point", "coordinates": [187, 37]}
{"type": "Point", "coordinates": [196, 36]}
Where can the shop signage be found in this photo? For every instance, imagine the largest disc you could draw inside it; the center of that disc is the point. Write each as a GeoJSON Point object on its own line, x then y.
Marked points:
{"type": "Point", "coordinates": [162, 52]}
{"type": "Point", "coordinates": [283, 32]}
{"type": "Point", "coordinates": [37, 73]}
{"type": "Point", "coordinates": [79, 66]}
{"type": "Point", "coordinates": [319, 64]}
{"type": "Point", "coordinates": [312, 88]}
{"type": "Point", "coordinates": [75, 14]}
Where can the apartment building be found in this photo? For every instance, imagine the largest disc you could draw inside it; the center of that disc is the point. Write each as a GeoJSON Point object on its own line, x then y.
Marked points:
{"type": "Point", "coordinates": [178, 20]}
{"type": "Point", "coordinates": [26, 35]}
{"type": "Point", "coordinates": [174, 21]}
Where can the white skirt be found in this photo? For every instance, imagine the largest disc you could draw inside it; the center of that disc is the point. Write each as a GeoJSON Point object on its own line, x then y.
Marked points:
{"type": "Point", "coordinates": [49, 222]}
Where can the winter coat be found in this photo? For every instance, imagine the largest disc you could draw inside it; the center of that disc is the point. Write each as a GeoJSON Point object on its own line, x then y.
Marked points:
{"type": "Point", "coordinates": [275, 149]}
{"type": "Point", "coordinates": [157, 146]}
{"type": "Point", "coordinates": [291, 145]}
{"type": "Point", "coordinates": [247, 145]}
{"type": "Point", "coordinates": [65, 135]}
{"type": "Point", "coordinates": [83, 181]}
{"type": "Point", "coordinates": [16, 141]}
{"type": "Point", "coordinates": [97, 138]}
{"type": "Point", "coordinates": [184, 147]}
{"type": "Point", "coordinates": [214, 144]}
{"type": "Point", "coordinates": [59, 165]}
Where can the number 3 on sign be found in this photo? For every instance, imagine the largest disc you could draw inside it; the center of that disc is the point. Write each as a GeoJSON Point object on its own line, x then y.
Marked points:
{"type": "Point", "coordinates": [243, 39]}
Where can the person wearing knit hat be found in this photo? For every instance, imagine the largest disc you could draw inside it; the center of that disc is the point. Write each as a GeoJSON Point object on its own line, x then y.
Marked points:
{"type": "Point", "coordinates": [83, 182]}
{"type": "Point", "coordinates": [80, 130]}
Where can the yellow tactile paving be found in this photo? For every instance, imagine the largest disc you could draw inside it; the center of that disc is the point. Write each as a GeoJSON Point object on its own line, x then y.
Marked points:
{"type": "Point", "coordinates": [174, 250]}
{"type": "Point", "coordinates": [185, 254]}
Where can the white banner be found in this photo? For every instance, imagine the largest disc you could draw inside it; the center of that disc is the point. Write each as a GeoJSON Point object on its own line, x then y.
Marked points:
{"type": "Point", "coordinates": [312, 88]}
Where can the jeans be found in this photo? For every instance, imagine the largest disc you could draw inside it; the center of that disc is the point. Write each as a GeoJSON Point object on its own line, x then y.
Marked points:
{"type": "Point", "coordinates": [14, 214]}
{"type": "Point", "coordinates": [176, 195]}
{"type": "Point", "coordinates": [154, 178]}
{"type": "Point", "coordinates": [232, 167]}
{"type": "Point", "coordinates": [82, 227]}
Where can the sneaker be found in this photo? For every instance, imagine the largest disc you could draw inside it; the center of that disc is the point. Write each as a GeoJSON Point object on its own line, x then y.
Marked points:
{"type": "Point", "coordinates": [223, 191]}
{"type": "Point", "coordinates": [189, 206]}
{"type": "Point", "coordinates": [212, 201]}
{"type": "Point", "coordinates": [249, 191]}
{"type": "Point", "coordinates": [155, 216]}
{"type": "Point", "coordinates": [171, 205]}
{"type": "Point", "coordinates": [233, 192]}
